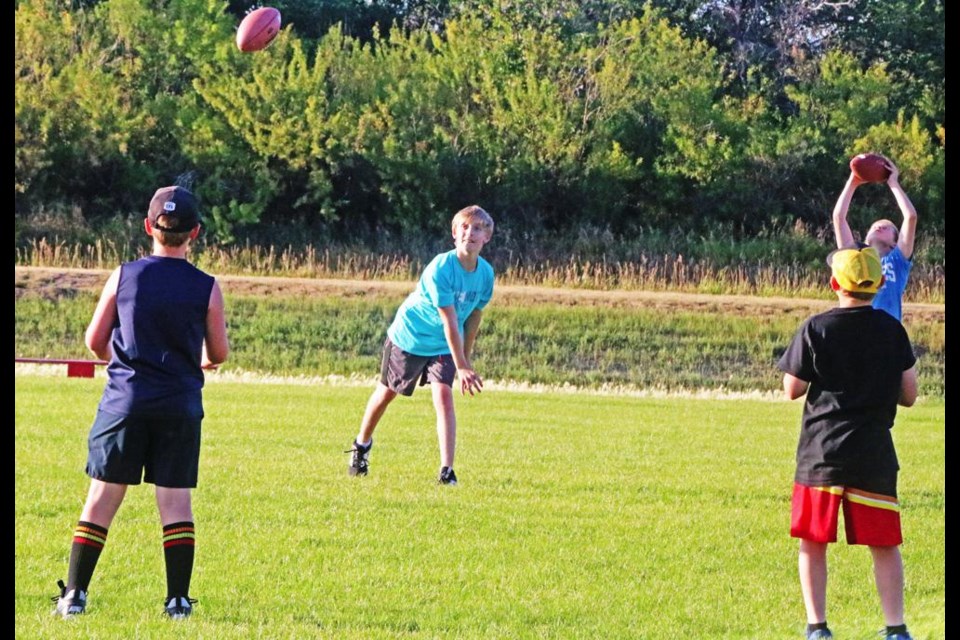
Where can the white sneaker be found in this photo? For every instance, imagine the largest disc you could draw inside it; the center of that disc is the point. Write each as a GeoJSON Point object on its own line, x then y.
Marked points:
{"type": "Point", "coordinates": [179, 607]}
{"type": "Point", "coordinates": [69, 603]}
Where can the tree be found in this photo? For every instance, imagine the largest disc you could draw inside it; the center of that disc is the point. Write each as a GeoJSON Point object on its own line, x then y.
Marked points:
{"type": "Point", "coordinates": [908, 36]}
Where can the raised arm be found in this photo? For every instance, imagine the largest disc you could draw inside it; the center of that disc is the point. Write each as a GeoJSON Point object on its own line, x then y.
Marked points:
{"type": "Point", "coordinates": [216, 346]}
{"type": "Point", "coordinates": [908, 228]}
{"type": "Point", "coordinates": [469, 380]}
{"type": "Point", "coordinates": [97, 336]}
{"type": "Point", "coordinates": [841, 228]}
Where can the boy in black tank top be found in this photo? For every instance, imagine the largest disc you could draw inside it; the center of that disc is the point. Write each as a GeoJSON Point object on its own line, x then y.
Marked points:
{"type": "Point", "coordinates": [159, 322]}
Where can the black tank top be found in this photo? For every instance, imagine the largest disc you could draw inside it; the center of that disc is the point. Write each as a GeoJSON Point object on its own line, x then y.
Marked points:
{"type": "Point", "coordinates": [157, 340]}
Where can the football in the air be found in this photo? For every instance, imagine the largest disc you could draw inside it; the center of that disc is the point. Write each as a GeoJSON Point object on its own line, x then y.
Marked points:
{"type": "Point", "coordinates": [258, 29]}
{"type": "Point", "coordinates": [870, 167]}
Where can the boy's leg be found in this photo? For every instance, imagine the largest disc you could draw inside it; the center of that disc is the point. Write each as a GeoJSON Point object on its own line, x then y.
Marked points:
{"type": "Point", "coordinates": [89, 537]}
{"type": "Point", "coordinates": [872, 518]}
{"type": "Point", "coordinates": [379, 400]}
{"type": "Point", "coordinates": [813, 519]}
{"type": "Point", "coordinates": [179, 543]}
{"type": "Point", "coordinates": [173, 468]}
{"type": "Point", "coordinates": [888, 572]}
{"type": "Point", "coordinates": [399, 372]}
{"type": "Point", "coordinates": [813, 579]}
{"type": "Point", "coordinates": [446, 422]}
{"type": "Point", "coordinates": [103, 502]}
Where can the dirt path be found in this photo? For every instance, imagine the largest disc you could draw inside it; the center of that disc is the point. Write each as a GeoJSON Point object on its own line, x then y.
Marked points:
{"type": "Point", "coordinates": [44, 281]}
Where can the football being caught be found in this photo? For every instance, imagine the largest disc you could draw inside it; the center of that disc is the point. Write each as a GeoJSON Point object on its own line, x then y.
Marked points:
{"type": "Point", "coordinates": [258, 29]}
{"type": "Point", "coordinates": [870, 167]}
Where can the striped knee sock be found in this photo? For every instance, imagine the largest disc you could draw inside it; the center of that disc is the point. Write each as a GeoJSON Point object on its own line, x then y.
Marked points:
{"type": "Point", "coordinates": [88, 541]}
{"type": "Point", "coordinates": [178, 545]}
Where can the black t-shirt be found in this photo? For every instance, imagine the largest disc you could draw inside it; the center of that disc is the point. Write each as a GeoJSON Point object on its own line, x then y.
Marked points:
{"type": "Point", "coordinates": [854, 359]}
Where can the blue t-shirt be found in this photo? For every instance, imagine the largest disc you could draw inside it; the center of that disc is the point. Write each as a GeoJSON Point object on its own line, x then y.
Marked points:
{"type": "Point", "coordinates": [896, 270]}
{"type": "Point", "coordinates": [417, 328]}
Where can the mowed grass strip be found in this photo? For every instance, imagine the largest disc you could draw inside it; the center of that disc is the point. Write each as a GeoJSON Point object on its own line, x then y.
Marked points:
{"type": "Point", "coordinates": [577, 516]}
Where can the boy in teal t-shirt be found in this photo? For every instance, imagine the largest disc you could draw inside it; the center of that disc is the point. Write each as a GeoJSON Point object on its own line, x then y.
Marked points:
{"type": "Point", "coordinates": [431, 339]}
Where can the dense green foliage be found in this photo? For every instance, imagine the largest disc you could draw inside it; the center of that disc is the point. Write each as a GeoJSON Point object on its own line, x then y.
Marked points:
{"type": "Point", "coordinates": [577, 516]}
{"type": "Point", "coordinates": [373, 120]}
{"type": "Point", "coordinates": [714, 348]}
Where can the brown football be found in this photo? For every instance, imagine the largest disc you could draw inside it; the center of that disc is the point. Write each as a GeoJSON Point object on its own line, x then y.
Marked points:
{"type": "Point", "coordinates": [870, 167]}
{"type": "Point", "coordinates": [258, 29]}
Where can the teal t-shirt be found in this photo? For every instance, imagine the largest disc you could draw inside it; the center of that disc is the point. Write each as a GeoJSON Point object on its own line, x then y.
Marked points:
{"type": "Point", "coordinates": [417, 328]}
{"type": "Point", "coordinates": [896, 270]}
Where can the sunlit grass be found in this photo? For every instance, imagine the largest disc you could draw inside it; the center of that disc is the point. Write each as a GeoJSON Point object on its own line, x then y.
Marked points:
{"type": "Point", "coordinates": [577, 516]}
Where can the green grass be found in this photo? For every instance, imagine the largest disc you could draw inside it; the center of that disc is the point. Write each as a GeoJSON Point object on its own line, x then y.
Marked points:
{"type": "Point", "coordinates": [578, 516]}
{"type": "Point", "coordinates": [710, 348]}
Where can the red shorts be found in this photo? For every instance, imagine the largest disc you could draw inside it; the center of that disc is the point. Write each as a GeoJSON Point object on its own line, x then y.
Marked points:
{"type": "Point", "coordinates": [868, 518]}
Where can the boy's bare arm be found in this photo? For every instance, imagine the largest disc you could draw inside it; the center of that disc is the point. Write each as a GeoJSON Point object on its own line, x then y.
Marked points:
{"type": "Point", "coordinates": [908, 387]}
{"type": "Point", "coordinates": [469, 380]}
{"type": "Point", "coordinates": [97, 336]}
{"type": "Point", "coordinates": [908, 229]}
{"type": "Point", "coordinates": [471, 327]}
{"type": "Point", "coordinates": [793, 386]}
{"type": "Point", "coordinates": [841, 228]}
{"type": "Point", "coordinates": [216, 346]}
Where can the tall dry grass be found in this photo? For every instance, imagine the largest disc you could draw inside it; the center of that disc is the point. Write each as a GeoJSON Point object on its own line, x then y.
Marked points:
{"type": "Point", "coordinates": [648, 271]}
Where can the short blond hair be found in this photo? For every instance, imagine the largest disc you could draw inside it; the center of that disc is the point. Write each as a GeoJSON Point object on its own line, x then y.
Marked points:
{"type": "Point", "coordinates": [473, 212]}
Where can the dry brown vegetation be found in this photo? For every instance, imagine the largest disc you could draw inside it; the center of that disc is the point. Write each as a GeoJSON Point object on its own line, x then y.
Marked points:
{"type": "Point", "coordinates": [55, 283]}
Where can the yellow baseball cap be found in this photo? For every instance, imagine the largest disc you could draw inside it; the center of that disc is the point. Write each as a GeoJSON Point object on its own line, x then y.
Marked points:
{"type": "Point", "coordinates": [857, 270]}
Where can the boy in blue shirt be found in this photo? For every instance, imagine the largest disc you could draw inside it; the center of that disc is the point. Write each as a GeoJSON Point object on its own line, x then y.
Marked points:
{"type": "Point", "coordinates": [431, 339]}
{"type": "Point", "coordinates": [894, 246]}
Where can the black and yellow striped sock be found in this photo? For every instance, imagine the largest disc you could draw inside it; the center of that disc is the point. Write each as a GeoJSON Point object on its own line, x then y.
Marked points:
{"type": "Point", "coordinates": [179, 541]}
{"type": "Point", "coordinates": [88, 541]}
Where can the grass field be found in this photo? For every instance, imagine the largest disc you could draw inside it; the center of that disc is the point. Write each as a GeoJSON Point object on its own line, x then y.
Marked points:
{"type": "Point", "coordinates": [577, 516]}
{"type": "Point", "coordinates": [715, 346]}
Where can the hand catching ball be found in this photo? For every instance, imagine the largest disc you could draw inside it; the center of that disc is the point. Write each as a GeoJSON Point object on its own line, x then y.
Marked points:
{"type": "Point", "coordinates": [258, 29]}
{"type": "Point", "coordinates": [870, 167]}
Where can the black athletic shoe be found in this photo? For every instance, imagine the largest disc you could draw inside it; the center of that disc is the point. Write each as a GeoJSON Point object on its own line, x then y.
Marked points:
{"type": "Point", "coordinates": [447, 476]}
{"type": "Point", "coordinates": [359, 463]}
{"type": "Point", "coordinates": [69, 603]}
{"type": "Point", "coordinates": [179, 607]}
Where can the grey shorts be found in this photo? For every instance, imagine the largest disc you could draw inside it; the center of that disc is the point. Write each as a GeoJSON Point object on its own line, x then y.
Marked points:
{"type": "Point", "coordinates": [402, 372]}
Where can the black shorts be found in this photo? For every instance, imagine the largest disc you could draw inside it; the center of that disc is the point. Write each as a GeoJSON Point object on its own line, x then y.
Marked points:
{"type": "Point", "coordinates": [401, 371]}
{"type": "Point", "coordinates": [164, 451]}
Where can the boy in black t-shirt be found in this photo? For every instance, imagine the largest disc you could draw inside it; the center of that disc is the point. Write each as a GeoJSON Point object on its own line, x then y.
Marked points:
{"type": "Point", "coordinates": [855, 364]}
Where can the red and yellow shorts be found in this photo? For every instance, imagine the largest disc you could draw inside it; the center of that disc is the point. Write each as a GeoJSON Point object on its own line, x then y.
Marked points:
{"type": "Point", "coordinates": [868, 518]}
